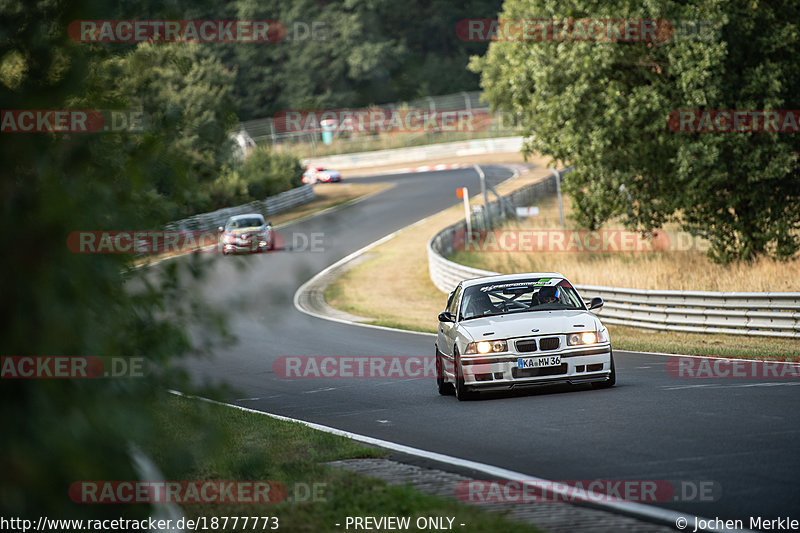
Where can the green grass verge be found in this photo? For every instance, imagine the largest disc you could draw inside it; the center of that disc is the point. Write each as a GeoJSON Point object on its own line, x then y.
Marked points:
{"type": "Point", "coordinates": [204, 441]}
{"type": "Point", "coordinates": [734, 346]}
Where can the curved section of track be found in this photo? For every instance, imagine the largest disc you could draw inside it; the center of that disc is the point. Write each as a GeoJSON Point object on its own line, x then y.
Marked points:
{"type": "Point", "coordinates": [740, 435]}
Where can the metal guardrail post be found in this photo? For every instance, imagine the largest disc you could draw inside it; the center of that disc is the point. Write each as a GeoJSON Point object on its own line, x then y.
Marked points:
{"type": "Point", "coordinates": [557, 174]}
{"type": "Point", "coordinates": [486, 210]}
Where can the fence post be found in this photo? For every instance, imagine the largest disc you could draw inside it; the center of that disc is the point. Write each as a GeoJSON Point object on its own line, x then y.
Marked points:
{"type": "Point", "coordinates": [557, 174]}
{"type": "Point", "coordinates": [488, 215]}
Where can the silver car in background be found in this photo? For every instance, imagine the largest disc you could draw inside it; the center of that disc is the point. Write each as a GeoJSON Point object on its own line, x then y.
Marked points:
{"type": "Point", "coordinates": [248, 233]}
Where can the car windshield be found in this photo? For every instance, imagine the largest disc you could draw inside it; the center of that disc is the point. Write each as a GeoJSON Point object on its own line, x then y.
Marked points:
{"type": "Point", "coordinates": [542, 294]}
{"type": "Point", "coordinates": [251, 222]}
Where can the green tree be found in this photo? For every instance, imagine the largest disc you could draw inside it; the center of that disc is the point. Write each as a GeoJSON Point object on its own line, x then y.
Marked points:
{"type": "Point", "coordinates": [603, 107]}
{"type": "Point", "coordinates": [187, 95]}
{"type": "Point", "coordinates": [55, 302]}
{"type": "Point", "coordinates": [370, 52]}
{"type": "Point", "coordinates": [268, 173]}
{"type": "Point", "coordinates": [263, 173]}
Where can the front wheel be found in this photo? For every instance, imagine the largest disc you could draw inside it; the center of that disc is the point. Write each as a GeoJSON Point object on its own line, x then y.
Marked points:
{"type": "Point", "coordinates": [611, 381]}
{"type": "Point", "coordinates": [445, 388]}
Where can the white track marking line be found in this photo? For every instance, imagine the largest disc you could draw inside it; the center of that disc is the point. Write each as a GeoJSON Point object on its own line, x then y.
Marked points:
{"type": "Point", "coordinates": [624, 507]}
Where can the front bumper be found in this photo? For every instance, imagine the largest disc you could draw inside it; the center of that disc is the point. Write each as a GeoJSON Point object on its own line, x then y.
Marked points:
{"type": "Point", "coordinates": [579, 364]}
{"type": "Point", "coordinates": [245, 248]}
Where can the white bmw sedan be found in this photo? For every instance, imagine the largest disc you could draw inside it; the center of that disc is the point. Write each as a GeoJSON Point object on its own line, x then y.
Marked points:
{"type": "Point", "coordinates": [520, 330]}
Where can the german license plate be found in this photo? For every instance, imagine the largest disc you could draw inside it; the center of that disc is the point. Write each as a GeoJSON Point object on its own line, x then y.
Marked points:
{"type": "Point", "coordinates": [538, 362]}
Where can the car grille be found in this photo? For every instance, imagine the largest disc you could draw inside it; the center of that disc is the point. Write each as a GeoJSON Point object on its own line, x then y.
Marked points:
{"type": "Point", "coordinates": [517, 373]}
{"type": "Point", "coordinates": [549, 343]}
{"type": "Point", "coordinates": [526, 346]}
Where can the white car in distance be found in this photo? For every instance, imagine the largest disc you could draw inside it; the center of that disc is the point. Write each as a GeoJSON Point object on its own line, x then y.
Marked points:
{"type": "Point", "coordinates": [520, 330]}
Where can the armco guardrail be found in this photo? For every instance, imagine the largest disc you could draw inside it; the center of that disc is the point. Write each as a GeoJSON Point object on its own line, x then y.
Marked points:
{"type": "Point", "coordinates": [756, 313]}
{"type": "Point", "coordinates": [267, 207]}
{"type": "Point", "coordinates": [446, 274]}
{"type": "Point", "coordinates": [774, 314]}
{"type": "Point", "coordinates": [418, 153]}
{"type": "Point", "coordinates": [264, 129]}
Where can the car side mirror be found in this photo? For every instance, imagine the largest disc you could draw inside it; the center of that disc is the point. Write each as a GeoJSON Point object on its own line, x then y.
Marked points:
{"type": "Point", "coordinates": [596, 303]}
{"type": "Point", "coordinates": [446, 316]}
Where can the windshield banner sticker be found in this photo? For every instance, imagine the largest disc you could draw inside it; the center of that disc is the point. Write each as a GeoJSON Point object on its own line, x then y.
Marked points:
{"type": "Point", "coordinates": [543, 282]}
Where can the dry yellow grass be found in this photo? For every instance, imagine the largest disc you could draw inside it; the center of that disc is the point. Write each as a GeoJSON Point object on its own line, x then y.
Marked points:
{"type": "Point", "coordinates": [394, 278]}
{"type": "Point", "coordinates": [688, 268]}
{"type": "Point", "coordinates": [662, 270]}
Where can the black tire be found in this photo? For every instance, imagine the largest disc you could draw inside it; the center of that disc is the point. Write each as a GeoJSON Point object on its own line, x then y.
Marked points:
{"type": "Point", "coordinates": [461, 389]}
{"type": "Point", "coordinates": [445, 388]}
{"type": "Point", "coordinates": [612, 378]}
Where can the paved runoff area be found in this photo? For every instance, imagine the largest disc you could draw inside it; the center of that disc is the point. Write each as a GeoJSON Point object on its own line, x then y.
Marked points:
{"type": "Point", "coordinates": [554, 517]}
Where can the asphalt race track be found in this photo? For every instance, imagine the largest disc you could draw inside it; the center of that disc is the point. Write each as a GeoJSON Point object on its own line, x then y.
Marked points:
{"type": "Point", "coordinates": [741, 435]}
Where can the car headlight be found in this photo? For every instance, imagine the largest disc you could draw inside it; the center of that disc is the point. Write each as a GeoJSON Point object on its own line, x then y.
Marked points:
{"type": "Point", "coordinates": [587, 337]}
{"type": "Point", "coordinates": [602, 335]}
{"type": "Point", "coordinates": [484, 347]}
